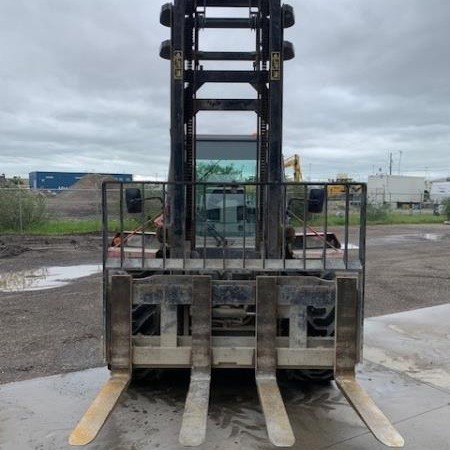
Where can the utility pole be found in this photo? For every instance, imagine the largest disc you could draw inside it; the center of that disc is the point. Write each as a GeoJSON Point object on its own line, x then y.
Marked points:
{"type": "Point", "coordinates": [390, 163]}
{"type": "Point", "coordinates": [400, 162]}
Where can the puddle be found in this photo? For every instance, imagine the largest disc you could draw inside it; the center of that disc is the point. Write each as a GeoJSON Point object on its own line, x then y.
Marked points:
{"type": "Point", "coordinates": [407, 238]}
{"type": "Point", "coordinates": [432, 236]}
{"type": "Point", "coordinates": [45, 277]}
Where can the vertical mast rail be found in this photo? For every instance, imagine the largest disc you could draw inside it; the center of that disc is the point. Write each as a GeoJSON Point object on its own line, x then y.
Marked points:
{"type": "Point", "coordinates": [275, 157]}
{"type": "Point", "coordinates": [178, 157]}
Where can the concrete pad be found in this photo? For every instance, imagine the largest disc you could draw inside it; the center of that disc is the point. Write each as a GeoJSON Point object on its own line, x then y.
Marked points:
{"type": "Point", "coordinates": [321, 417]}
{"type": "Point", "coordinates": [416, 343]}
{"type": "Point", "coordinates": [40, 413]}
{"type": "Point", "coordinates": [426, 431]}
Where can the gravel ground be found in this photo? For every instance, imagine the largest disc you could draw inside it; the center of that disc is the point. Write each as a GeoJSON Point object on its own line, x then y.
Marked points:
{"type": "Point", "coordinates": [408, 267]}
{"type": "Point", "coordinates": [54, 330]}
{"type": "Point", "coordinates": [59, 330]}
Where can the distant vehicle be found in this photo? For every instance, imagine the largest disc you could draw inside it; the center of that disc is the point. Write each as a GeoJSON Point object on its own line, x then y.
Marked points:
{"type": "Point", "coordinates": [438, 210]}
{"type": "Point", "coordinates": [439, 191]}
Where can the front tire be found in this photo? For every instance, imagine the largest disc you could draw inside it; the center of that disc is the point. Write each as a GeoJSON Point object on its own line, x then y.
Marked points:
{"type": "Point", "coordinates": [321, 323]}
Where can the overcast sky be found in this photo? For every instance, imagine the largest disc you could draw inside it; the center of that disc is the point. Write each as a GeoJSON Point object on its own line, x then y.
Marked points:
{"type": "Point", "coordinates": [82, 87]}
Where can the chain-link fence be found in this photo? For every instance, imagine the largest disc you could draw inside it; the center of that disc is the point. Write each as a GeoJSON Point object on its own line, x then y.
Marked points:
{"type": "Point", "coordinates": [24, 210]}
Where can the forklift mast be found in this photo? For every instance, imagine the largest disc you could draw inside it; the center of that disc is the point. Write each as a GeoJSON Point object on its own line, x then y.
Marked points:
{"type": "Point", "coordinates": [188, 20]}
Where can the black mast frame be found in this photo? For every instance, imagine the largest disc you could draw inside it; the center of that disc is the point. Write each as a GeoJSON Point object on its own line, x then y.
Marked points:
{"type": "Point", "coordinates": [186, 18]}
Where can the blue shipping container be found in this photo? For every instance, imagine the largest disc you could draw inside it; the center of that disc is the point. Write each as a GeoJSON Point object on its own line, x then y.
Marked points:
{"type": "Point", "coordinates": [64, 180]}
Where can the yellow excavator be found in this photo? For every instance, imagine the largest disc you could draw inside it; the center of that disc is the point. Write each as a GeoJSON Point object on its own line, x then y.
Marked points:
{"type": "Point", "coordinates": [294, 163]}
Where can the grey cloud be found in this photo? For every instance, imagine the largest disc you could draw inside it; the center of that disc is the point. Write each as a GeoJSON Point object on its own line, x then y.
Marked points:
{"type": "Point", "coordinates": [82, 86]}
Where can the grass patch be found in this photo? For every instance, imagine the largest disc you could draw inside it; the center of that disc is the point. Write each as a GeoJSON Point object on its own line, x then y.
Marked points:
{"type": "Point", "coordinates": [21, 209]}
{"type": "Point", "coordinates": [56, 227]}
{"type": "Point", "coordinates": [61, 227]}
{"type": "Point", "coordinates": [395, 218]}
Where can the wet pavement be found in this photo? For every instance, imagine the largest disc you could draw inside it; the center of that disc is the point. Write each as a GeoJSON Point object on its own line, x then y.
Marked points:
{"type": "Point", "coordinates": [402, 237]}
{"type": "Point", "coordinates": [415, 343]}
{"type": "Point", "coordinates": [406, 372]}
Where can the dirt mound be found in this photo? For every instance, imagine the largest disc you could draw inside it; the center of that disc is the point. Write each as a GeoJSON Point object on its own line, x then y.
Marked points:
{"type": "Point", "coordinates": [82, 199]}
{"type": "Point", "coordinates": [92, 181]}
{"type": "Point", "coordinates": [87, 188]}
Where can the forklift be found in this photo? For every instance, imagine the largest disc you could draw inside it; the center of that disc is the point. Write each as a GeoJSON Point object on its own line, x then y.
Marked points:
{"type": "Point", "coordinates": [235, 269]}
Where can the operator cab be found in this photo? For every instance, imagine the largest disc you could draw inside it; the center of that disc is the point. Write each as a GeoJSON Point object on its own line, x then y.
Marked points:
{"type": "Point", "coordinates": [225, 206]}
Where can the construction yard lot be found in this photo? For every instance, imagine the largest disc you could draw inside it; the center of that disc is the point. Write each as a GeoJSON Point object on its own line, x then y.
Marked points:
{"type": "Point", "coordinates": [58, 329]}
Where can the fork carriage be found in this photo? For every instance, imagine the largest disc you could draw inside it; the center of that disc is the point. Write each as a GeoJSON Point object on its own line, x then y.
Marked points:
{"type": "Point", "coordinates": [231, 269]}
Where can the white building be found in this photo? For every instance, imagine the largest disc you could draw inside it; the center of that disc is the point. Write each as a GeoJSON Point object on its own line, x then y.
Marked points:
{"type": "Point", "coordinates": [397, 190]}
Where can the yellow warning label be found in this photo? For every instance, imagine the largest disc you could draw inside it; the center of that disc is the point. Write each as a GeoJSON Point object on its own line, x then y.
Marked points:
{"type": "Point", "coordinates": [275, 66]}
{"type": "Point", "coordinates": [178, 64]}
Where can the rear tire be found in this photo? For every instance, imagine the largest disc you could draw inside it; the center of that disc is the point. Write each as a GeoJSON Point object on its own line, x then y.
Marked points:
{"type": "Point", "coordinates": [145, 320]}
{"type": "Point", "coordinates": [311, 375]}
{"type": "Point", "coordinates": [321, 321]}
